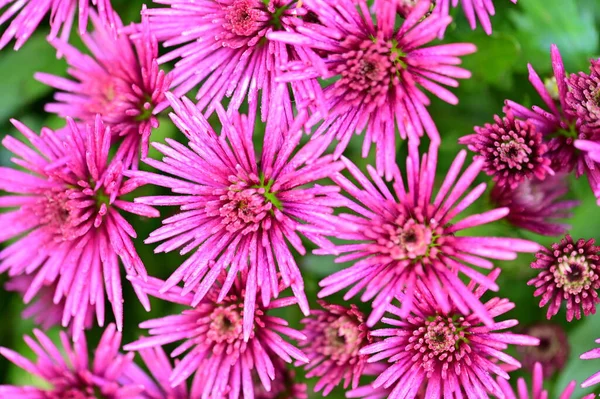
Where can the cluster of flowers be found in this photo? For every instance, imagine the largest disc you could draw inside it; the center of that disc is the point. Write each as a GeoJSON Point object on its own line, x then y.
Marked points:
{"type": "Point", "coordinates": [329, 68]}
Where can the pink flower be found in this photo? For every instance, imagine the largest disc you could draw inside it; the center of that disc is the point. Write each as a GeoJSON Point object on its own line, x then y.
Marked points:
{"type": "Point", "coordinates": [537, 388]}
{"type": "Point", "coordinates": [73, 374]}
{"type": "Point", "coordinates": [223, 358]}
{"type": "Point", "coordinates": [537, 205]}
{"type": "Point", "coordinates": [64, 214]}
{"type": "Point", "coordinates": [552, 352]}
{"type": "Point", "coordinates": [121, 82]}
{"type": "Point", "coordinates": [454, 354]}
{"type": "Point", "coordinates": [569, 272]}
{"type": "Point", "coordinates": [335, 335]}
{"type": "Point", "coordinates": [29, 14]}
{"type": "Point", "coordinates": [239, 210]}
{"type": "Point", "coordinates": [415, 235]}
{"type": "Point", "coordinates": [474, 10]}
{"type": "Point", "coordinates": [381, 71]}
{"type": "Point", "coordinates": [560, 126]}
{"type": "Point", "coordinates": [512, 150]}
{"type": "Point", "coordinates": [223, 45]}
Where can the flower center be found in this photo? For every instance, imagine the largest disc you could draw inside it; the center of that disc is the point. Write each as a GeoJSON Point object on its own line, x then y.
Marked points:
{"type": "Point", "coordinates": [512, 151]}
{"type": "Point", "coordinates": [342, 339]}
{"type": "Point", "coordinates": [440, 341]}
{"type": "Point", "coordinates": [573, 273]}
{"type": "Point", "coordinates": [411, 239]}
{"type": "Point", "coordinates": [242, 18]}
{"type": "Point", "coordinates": [367, 70]}
{"type": "Point", "coordinates": [226, 324]}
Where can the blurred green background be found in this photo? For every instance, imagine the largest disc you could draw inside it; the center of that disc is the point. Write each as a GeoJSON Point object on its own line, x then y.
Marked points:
{"type": "Point", "coordinates": [522, 33]}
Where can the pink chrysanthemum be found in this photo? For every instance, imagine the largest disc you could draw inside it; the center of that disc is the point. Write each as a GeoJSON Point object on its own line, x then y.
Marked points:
{"type": "Point", "coordinates": [537, 390]}
{"type": "Point", "coordinates": [223, 357]}
{"type": "Point", "coordinates": [536, 205]}
{"type": "Point", "coordinates": [65, 217]}
{"type": "Point", "coordinates": [381, 71]}
{"type": "Point", "coordinates": [474, 10]}
{"type": "Point", "coordinates": [582, 97]}
{"type": "Point", "coordinates": [43, 310]}
{"type": "Point", "coordinates": [412, 235]}
{"type": "Point", "coordinates": [237, 211]}
{"type": "Point", "coordinates": [569, 272]}
{"type": "Point", "coordinates": [121, 82]}
{"type": "Point", "coordinates": [512, 150]}
{"type": "Point", "coordinates": [552, 352]}
{"type": "Point", "coordinates": [450, 352]}
{"type": "Point", "coordinates": [335, 335]}
{"type": "Point", "coordinates": [29, 14]}
{"type": "Point", "coordinates": [74, 375]}
{"type": "Point", "coordinates": [223, 45]}
{"type": "Point", "coordinates": [560, 126]}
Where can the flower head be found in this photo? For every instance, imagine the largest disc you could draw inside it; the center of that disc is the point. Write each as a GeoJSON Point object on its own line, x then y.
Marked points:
{"type": "Point", "coordinates": [29, 14]}
{"type": "Point", "coordinates": [121, 82]}
{"type": "Point", "coordinates": [381, 72]}
{"type": "Point", "coordinates": [474, 10]}
{"type": "Point", "coordinates": [223, 45]}
{"type": "Point", "coordinates": [512, 150]}
{"type": "Point", "coordinates": [413, 235]}
{"type": "Point", "coordinates": [552, 352]}
{"type": "Point", "coordinates": [73, 375]}
{"type": "Point", "coordinates": [237, 211]}
{"type": "Point", "coordinates": [583, 97]}
{"type": "Point", "coordinates": [448, 351]}
{"type": "Point", "coordinates": [335, 335]}
{"type": "Point", "coordinates": [536, 205]}
{"type": "Point", "coordinates": [568, 273]}
{"type": "Point", "coordinates": [64, 214]}
{"type": "Point", "coordinates": [560, 126]}
{"type": "Point", "coordinates": [212, 332]}
{"type": "Point", "coordinates": [537, 387]}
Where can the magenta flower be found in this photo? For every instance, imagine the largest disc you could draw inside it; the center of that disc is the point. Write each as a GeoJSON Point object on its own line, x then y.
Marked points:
{"type": "Point", "coordinates": [335, 335]}
{"type": "Point", "coordinates": [221, 355]}
{"type": "Point", "coordinates": [238, 212]}
{"type": "Point", "coordinates": [536, 205]}
{"type": "Point", "coordinates": [121, 82]}
{"type": "Point", "coordinates": [43, 310]}
{"type": "Point", "coordinates": [512, 150]}
{"type": "Point", "coordinates": [157, 385]}
{"type": "Point", "coordinates": [73, 374]}
{"type": "Point", "coordinates": [560, 126]}
{"type": "Point", "coordinates": [552, 352]}
{"type": "Point", "coordinates": [223, 45]}
{"type": "Point", "coordinates": [568, 273]}
{"type": "Point", "coordinates": [29, 14]}
{"type": "Point", "coordinates": [474, 10]}
{"type": "Point", "coordinates": [413, 235]}
{"type": "Point", "coordinates": [381, 72]}
{"type": "Point", "coordinates": [582, 97]}
{"type": "Point", "coordinates": [537, 388]}
{"type": "Point", "coordinates": [65, 218]}
{"type": "Point", "coordinates": [454, 354]}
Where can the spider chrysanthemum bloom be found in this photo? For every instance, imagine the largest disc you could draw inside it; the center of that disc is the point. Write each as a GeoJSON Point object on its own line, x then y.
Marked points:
{"type": "Point", "coordinates": [512, 150]}
{"type": "Point", "coordinates": [568, 273]}
{"type": "Point", "coordinates": [474, 10]}
{"type": "Point", "coordinates": [64, 214]}
{"type": "Point", "coordinates": [239, 210]}
{"type": "Point", "coordinates": [454, 354]}
{"type": "Point", "coordinates": [70, 373]}
{"type": "Point", "coordinates": [415, 234]}
{"type": "Point", "coordinates": [537, 205]}
{"type": "Point", "coordinates": [335, 335]}
{"type": "Point", "coordinates": [382, 72]}
{"type": "Point", "coordinates": [583, 97]}
{"type": "Point", "coordinates": [120, 81]}
{"type": "Point", "coordinates": [223, 45]}
{"type": "Point", "coordinates": [552, 352]}
{"type": "Point", "coordinates": [214, 348]}
{"type": "Point", "coordinates": [536, 391]}
{"type": "Point", "coordinates": [560, 125]}
{"type": "Point", "coordinates": [29, 14]}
